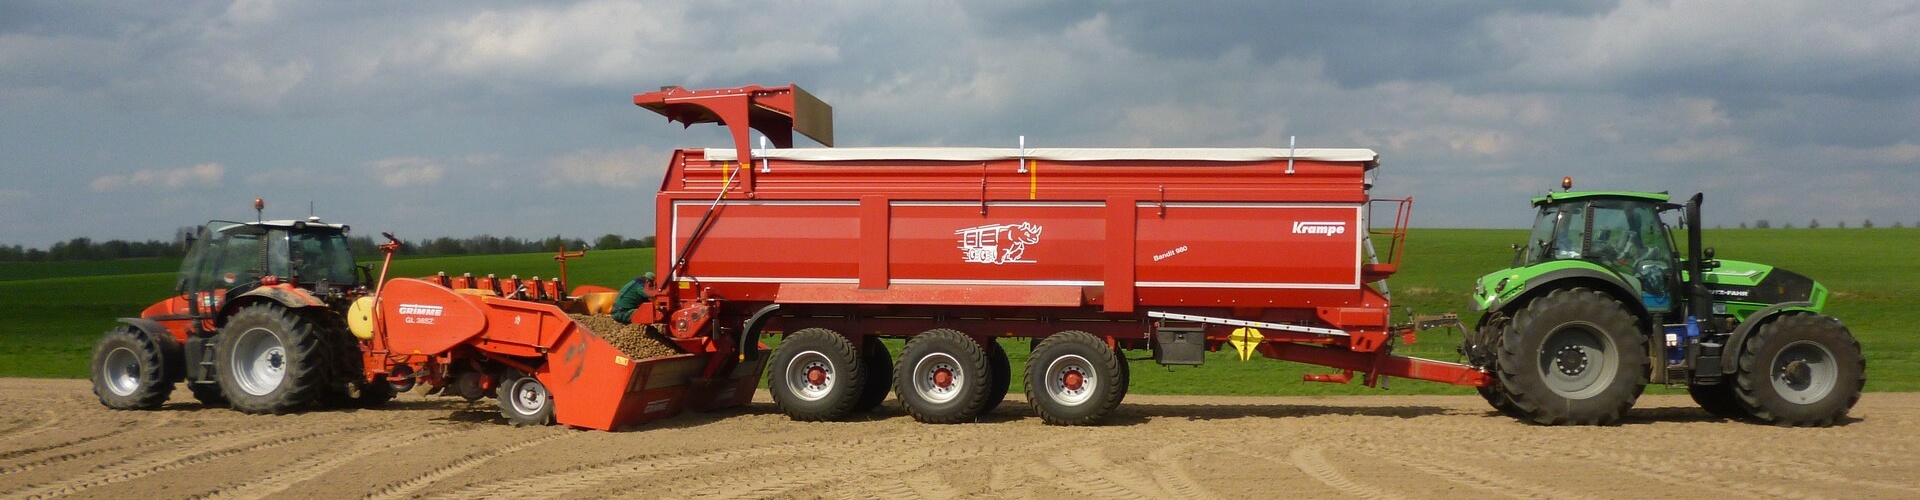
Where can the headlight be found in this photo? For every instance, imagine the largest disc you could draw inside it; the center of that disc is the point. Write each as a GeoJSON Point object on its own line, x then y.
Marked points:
{"type": "Point", "coordinates": [1502, 285]}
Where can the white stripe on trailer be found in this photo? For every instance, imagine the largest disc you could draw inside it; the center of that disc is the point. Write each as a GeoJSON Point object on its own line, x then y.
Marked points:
{"type": "Point", "coordinates": [1248, 324]}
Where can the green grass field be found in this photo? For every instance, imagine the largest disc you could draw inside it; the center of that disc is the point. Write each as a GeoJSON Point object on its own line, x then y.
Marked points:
{"type": "Point", "coordinates": [51, 313]}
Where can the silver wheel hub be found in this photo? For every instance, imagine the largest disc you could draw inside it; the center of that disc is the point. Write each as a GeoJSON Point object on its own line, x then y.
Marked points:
{"type": "Point", "coordinates": [810, 376]}
{"type": "Point", "coordinates": [1803, 372]}
{"type": "Point", "coordinates": [937, 378]}
{"type": "Point", "coordinates": [1071, 380]}
{"type": "Point", "coordinates": [1576, 361]}
{"type": "Point", "coordinates": [123, 371]}
{"type": "Point", "coordinates": [259, 362]}
{"type": "Point", "coordinates": [527, 396]}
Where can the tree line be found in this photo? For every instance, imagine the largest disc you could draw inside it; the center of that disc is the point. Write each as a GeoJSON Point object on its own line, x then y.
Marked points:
{"type": "Point", "coordinates": [87, 249]}
{"type": "Point", "coordinates": [1815, 224]}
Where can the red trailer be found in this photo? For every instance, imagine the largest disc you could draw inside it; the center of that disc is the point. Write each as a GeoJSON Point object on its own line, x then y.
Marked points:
{"type": "Point", "coordinates": [1087, 252]}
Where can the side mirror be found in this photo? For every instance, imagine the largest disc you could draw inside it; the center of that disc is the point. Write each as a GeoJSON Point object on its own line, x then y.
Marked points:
{"type": "Point", "coordinates": [1707, 252]}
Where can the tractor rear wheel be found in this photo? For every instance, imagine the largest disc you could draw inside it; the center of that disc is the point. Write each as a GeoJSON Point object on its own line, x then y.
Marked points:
{"type": "Point", "coordinates": [816, 375]}
{"type": "Point", "coordinates": [1801, 371]}
{"type": "Point", "coordinates": [130, 370]}
{"type": "Point", "coordinates": [1002, 371]}
{"type": "Point", "coordinates": [1073, 378]}
{"type": "Point", "coordinates": [1574, 356]}
{"type": "Point", "coordinates": [879, 364]}
{"type": "Point", "coordinates": [942, 377]}
{"type": "Point", "coordinates": [524, 400]}
{"type": "Point", "coordinates": [271, 359]}
{"type": "Point", "coordinates": [1718, 399]}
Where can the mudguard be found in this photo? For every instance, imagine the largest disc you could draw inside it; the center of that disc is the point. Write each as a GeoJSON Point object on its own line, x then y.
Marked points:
{"type": "Point", "coordinates": [750, 332]}
{"type": "Point", "coordinates": [1730, 357]}
{"type": "Point", "coordinates": [171, 355]}
{"type": "Point", "coordinates": [290, 297]}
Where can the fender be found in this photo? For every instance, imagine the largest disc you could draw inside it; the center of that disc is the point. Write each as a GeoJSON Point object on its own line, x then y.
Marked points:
{"type": "Point", "coordinates": [172, 358]}
{"type": "Point", "coordinates": [1730, 355]}
{"type": "Point", "coordinates": [750, 332]}
{"type": "Point", "coordinates": [292, 298]}
{"type": "Point", "coordinates": [1539, 284]}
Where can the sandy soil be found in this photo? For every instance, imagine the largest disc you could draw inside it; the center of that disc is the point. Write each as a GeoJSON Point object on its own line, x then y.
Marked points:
{"type": "Point", "coordinates": [55, 440]}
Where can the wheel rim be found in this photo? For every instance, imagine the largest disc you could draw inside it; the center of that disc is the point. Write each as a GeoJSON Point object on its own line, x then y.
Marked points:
{"type": "Point", "coordinates": [1577, 361]}
{"type": "Point", "coordinates": [123, 371]}
{"type": "Point", "coordinates": [811, 376]}
{"type": "Point", "coordinates": [527, 396]}
{"type": "Point", "coordinates": [937, 378]}
{"type": "Point", "coordinates": [1071, 380]}
{"type": "Point", "coordinates": [259, 362]}
{"type": "Point", "coordinates": [1803, 372]}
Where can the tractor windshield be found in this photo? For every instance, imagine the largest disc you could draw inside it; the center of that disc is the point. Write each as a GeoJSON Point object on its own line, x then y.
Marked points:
{"type": "Point", "coordinates": [1625, 236]}
{"type": "Point", "coordinates": [1555, 235]}
{"type": "Point", "coordinates": [321, 256]}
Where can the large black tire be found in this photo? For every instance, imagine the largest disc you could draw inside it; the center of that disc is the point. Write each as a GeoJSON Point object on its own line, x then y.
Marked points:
{"type": "Point", "coordinates": [942, 377]}
{"type": "Point", "coordinates": [1493, 392]}
{"type": "Point", "coordinates": [1573, 357]}
{"type": "Point", "coordinates": [1126, 376]}
{"type": "Point", "coordinates": [816, 375]}
{"type": "Point", "coordinates": [129, 370]}
{"type": "Point", "coordinates": [1002, 370]}
{"type": "Point", "coordinates": [878, 362]}
{"type": "Point", "coordinates": [1718, 400]}
{"type": "Point", "coordinates": [524, 401]}
{"type": "Point", "coordinates": [1801, 371]}
{"type": "Point", "coordinates": [1073, 378]}
{"type": "Point", "coordinates": [271, 360]}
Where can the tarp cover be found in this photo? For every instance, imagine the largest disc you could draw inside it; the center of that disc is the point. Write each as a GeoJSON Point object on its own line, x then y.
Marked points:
{"type": "Point", "coordinates": [1055, 154]}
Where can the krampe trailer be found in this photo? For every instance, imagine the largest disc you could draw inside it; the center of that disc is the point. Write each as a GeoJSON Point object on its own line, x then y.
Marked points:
{"type": "Point", "coordinates": [1083, 253]}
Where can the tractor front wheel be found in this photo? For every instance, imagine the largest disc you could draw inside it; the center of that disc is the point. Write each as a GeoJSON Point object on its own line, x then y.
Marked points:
{"type": "Point", "coordinates": [816, 374]}
{"type": "Point", "coordinates": [271, 360]}
{"type": "Point", "coordinates": [1574, 356]}
{"type": "Point", "coordinates": [1801, 371]}
{"type": "Point", "coordinates": [130, 371]}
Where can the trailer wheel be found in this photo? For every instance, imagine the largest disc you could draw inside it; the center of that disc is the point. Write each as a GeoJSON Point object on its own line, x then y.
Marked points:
{"type": "Point", "coordinates": [129, 371]}
{"type": "Point", "coordinates": [879, 364]}
{"type": "Point", "coordinates": [1126, 375]}
{"type": "Point", "coordinates": [524, 400]}
{"type": "Point", "coordinates": [816, 375]}
{"type": "Point", "coordinates": [1002, 370]}
{"type": "Point", "coordinates": [942, 377]}
{"type": "Point", "coordinates": [1073, 378]}
{"type": "Point", "coordinates": [270, 360]}
{"type": "Point", "coordinates": [1801, 371]}
{"type": "Point", "coordinates": [1575, 357]}
{"type": "Point", "coordinates": [1718, 399]}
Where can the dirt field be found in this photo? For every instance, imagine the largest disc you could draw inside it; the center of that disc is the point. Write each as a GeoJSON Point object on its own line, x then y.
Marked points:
{"type": "Point", "coordinates": [55, 440]}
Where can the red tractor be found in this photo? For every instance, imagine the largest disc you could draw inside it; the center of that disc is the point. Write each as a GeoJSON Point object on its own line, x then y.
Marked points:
{"type": "Point", "coordinates": [257, 324]}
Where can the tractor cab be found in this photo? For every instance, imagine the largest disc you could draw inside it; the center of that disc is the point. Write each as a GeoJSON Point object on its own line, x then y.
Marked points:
{"type": "Point", "coordinates": [1621, 232]}
{"type": "Point", "coordinates": [229, 259]}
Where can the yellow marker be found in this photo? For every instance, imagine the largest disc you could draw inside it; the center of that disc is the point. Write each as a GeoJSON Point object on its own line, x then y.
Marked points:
{"type": "Point", "coordinates": [1245, 341]}
{"type": "Point", "coordinates": [1033, 179]}
{"type": "Point", "coordinates": [620, 360]}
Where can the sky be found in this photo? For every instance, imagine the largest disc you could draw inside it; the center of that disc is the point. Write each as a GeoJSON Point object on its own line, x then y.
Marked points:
{"type": "Point", "coordinates": [128, 120]}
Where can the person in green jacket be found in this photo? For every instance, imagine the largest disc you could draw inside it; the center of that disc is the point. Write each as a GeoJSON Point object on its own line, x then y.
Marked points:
{"type": "Point", "coordinates": [631, 298]}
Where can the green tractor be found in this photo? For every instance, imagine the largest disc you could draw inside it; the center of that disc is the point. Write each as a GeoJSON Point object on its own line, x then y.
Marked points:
{"type": "Point", "coordinates": [1600, 302]}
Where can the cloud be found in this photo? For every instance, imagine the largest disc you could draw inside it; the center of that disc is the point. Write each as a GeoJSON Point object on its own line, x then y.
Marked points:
{"type": "Point", "coordinates": [205, 174]}
{"type": "Point", "coordinates": [635, 167]}
{"type": "Point", "coordinates": [406, 171]}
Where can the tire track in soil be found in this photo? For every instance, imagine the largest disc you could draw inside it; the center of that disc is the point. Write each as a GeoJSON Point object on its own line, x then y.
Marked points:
{"type": "Point", "coordinates": [894, 460]}
{"type": "Point", "coordinates": [317, 465]}
{"type": "Point", "coordinates": [1677, 474]}
{"type": "Point", "coordinates": [406, 488]}
{"type": "Point", "coordinates": [125, 471]}
{"type": "Point", "coordinates": [9, 455]}
{"type": "Point", "coordinates": [1310, 461]}
{"type": "Point", "coordinates": [1466, 475]}
{"type": "Point", "coordinates": [29, 427]}
{"type": "Point", "coordinates": [581, 476]}
{"type": "Point", "coordinates": [875, 454]}
{"type": "Point", "coordinates": [153, 444]}
{"type": "Point", "coordinates": [1093, 474]}
{"type": "Point", "coordinates": [1171, 472]}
